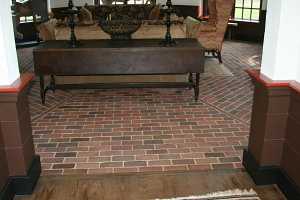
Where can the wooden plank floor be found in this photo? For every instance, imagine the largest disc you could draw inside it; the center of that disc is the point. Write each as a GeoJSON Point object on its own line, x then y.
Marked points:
{"type": "Point", "coordinates": [145, 186]}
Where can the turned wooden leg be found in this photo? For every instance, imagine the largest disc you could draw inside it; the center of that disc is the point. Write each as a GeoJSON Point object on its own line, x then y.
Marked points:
{"type": "Point", "coordinates": [197, 86]}
{"type": "Point", "coordinates": [190, 80]}
{"type": "Point", "coordinates": [52, 83]}
{"type": "Point", "coordinates": [42, 89]}
{"type": "Point", "coordinates": [219, 57]}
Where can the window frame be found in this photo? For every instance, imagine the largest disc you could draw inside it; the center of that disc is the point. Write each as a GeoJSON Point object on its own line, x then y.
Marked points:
{"type": "Point", "coordinates": [251, 11]}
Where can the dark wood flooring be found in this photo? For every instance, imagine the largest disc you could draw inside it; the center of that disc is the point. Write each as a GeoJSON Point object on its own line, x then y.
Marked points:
{"type": "Point", "coordinates": [146, 186]}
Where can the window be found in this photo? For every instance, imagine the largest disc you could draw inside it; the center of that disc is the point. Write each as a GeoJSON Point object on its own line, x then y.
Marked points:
{"type": "Point", "coordinates": [22, 1]}
{"type": "Point", "coordinates": [135, 2]}
{"type": "Point", "coordinates": [247, 10]}
{"type": "Point", "coordinates": [26, 19]}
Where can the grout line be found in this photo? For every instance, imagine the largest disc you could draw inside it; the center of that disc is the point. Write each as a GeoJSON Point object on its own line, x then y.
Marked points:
{"type": "Point", "coordinates": [225, 112]}
{"type": "Point", "coordinates": [42, 114]}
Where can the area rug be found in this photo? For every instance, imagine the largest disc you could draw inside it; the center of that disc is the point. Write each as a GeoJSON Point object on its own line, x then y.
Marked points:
{"type": "Point", "coordinates": [214, 68]}
{"type": "Point", "coordinates": [225, 195]}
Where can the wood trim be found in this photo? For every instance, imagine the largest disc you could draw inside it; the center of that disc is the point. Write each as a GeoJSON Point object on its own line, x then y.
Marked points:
{"type": "Point", "coordinates": [23, 185]}
{"type": "Point", "coordinates": [18, 85]}
{"type": "Point", "coordinates": [260, 175]}
{"type": "Point", "coordinates": [261, 78]}
{"type": "Point", "coordinates": [7, 192]}
{"type": "Point", "coordinates": [267, 175]}
{"type": "Point", "coordinates": [295, 86]}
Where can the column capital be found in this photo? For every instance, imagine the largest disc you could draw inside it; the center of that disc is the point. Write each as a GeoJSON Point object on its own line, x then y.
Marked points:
{"type": "Point", "coordinates": [18, 85]}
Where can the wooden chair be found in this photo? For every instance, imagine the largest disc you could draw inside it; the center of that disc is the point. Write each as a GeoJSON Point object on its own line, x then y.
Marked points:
{"type": "Point", "coordinates": [85, 17]}
{"type": "Point", "coordinates": [47, 30]}
{"type": "Point", "coordinates": [212, 32]}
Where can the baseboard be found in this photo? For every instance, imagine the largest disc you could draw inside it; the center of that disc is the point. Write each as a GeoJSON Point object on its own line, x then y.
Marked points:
{"type": "Point", "coordinates": [261, 175]}
{"type": "Point", "coordinates": [268, 175]}
{"type": "Point", "coordinates": [288, 186]}
{"type": "Point", "coordinates": [7, 192]}
{"type": "Point", "coordinates": [25, 184]}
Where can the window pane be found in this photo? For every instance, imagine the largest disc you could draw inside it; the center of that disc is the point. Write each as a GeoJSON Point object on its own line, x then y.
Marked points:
{"type": "Point", "coordinates": [247, 9]}
{"type": "Point", "coordinates": [247, 3]}
{"type": "Point", "coordinates": [238, 14]}
{"type": "Point", "coordinates": [255, 14]}
{"type": "Point", "coordinates": [238, 3]}
{"type": "Point", "coordinates": [256, 4]}
{"type": "Point", "coordinates": [22, 19]}
{"type": "Point", "coordinates": [247, 14]}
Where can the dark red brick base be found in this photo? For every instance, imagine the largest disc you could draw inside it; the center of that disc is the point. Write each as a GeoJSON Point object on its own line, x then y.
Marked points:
{"type": "Point", "coordinates": [273, 153]}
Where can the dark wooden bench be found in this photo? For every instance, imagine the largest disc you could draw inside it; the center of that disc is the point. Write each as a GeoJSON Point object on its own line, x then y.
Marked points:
{"type": "Point", "coordinates": [107, 57]}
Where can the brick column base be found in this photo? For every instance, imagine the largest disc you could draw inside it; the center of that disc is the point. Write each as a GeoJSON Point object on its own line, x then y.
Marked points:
{"type": "Point", "coordinates": [23, 166]}
{"type": "Point", "coordinates": [273, 154]}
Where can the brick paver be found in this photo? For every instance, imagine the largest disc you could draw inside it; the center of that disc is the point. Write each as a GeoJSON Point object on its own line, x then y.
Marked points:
{"type": "Point", "coordinates": [144, 130]}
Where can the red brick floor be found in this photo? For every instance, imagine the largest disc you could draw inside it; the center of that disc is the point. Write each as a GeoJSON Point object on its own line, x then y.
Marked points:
{"type": "Point", "coordinates": [136, 130]}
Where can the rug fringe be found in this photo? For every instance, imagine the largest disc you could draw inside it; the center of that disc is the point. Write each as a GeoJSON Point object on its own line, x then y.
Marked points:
{"type": "Point", "coordinates": [225, 194]}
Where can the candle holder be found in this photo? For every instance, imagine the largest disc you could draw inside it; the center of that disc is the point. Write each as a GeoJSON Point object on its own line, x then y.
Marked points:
{"type": "Point", "coordinates": [72, 12]}
{"type": "Point", "coordinates": [168, 41]}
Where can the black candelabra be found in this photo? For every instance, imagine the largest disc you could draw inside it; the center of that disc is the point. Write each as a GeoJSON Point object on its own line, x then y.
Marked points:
{"type": "Point", "coordinates": [168, 41]}
{"type": "Point", "coordinates": [72, 12]}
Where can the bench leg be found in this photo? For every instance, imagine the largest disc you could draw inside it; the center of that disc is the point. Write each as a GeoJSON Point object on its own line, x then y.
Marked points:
{"type": "Point", "coordinates": [196, 88]}
{"type": "Point", "coordinates": [191, 80]}
{"type": "Point", "coordinates": [52, 83]}
{"type": "Point", "coordinates": [219, 54]}
{"type": "Point", "coordinates": [42, 89]}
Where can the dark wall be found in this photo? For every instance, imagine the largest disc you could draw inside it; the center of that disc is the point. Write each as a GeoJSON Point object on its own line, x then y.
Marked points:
{"type": "Point", "coordinates": [184, 11]}
{"type": "Point", "coordinates": [40, 8]}
{"type": "Point", "coordinates": [251, 31]}
{"type": "Point", "coordinates": [3, 164]}
{"type": "Point", "coordinates": [28, 30]}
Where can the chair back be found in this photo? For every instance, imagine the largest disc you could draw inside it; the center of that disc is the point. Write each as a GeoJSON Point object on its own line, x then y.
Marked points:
{"type": "Point", "coordinates": [212, 9]}
{"type": "Point", "coordinates": [47, 30]}
{"type": "Point", "coordinates": [224, 10]}
{"type": "Point", "coordinates": [85, 16]}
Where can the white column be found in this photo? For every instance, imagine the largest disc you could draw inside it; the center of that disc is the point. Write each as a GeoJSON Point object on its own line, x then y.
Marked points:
{"type": "Point", "coordinates": [49, 5]}
{"type": "Point", "coordinates": [264, 4]}
{"type": "Point", "coordinates": [281, 52]}
{"type": "Point", "coordinates": [9, 70]}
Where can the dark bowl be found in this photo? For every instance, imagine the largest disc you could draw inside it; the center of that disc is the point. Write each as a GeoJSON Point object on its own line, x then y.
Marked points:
{"type": "Point", "coordinates": [120, 29]}
{"type": "Point", "coordinates": [121, 21]}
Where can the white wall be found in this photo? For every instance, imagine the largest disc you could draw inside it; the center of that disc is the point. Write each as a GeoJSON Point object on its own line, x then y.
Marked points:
{"type": "Point", "coordinates": [298, 65]}
{"type": "Point", "coordinates": [182, 2]}
{"type": "Point", "coordinates": [264, 4]}
{"type": "Point", "coordinates": [64, 3]}
{"type": "Point", "coordinates": [49, 5]}
{"type": "Point", "coordinates": [281, 52]}
{"type": "Point", "coordinates": [9, 69]}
